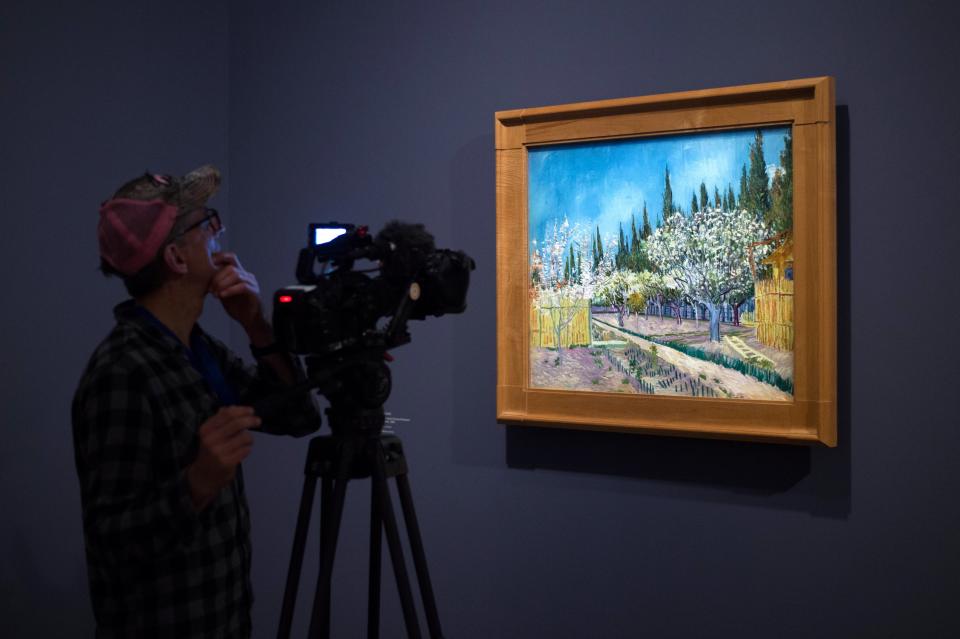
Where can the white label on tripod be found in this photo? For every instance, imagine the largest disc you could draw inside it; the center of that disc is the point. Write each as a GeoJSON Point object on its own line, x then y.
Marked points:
{"type": "Point", "coordinates": [389, 421]}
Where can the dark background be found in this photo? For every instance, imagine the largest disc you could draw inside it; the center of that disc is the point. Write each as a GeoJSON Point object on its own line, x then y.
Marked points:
{"type": "Point", "coordinates": [369, 111]}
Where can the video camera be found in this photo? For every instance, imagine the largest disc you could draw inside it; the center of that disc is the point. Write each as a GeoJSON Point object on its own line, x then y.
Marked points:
{"type": "Point", "coordinates": [337, 310]}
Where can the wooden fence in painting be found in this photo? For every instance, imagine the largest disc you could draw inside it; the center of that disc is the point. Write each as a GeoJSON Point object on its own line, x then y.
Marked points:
{"type": "Point", "coordinates": [572, 316]}
{"type": "Point", "coordinates": [774, 314]}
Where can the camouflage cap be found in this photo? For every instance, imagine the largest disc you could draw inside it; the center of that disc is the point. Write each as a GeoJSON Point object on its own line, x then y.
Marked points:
{"type": "Point", "coordinates": [187, 193]}
{"type": "Point", "coordinates": [136, 222]}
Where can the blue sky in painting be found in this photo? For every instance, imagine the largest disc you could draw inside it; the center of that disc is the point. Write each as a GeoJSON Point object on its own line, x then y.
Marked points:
{"type": "Point", "coordinates": [603, 183]}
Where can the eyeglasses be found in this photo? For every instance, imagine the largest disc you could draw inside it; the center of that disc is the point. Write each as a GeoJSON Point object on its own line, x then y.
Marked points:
{"type": "Point", "coordinates": [211, 219]}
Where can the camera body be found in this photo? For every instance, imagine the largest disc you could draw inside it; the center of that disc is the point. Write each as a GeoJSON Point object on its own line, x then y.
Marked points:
{"type": "Point", "coordinates": [339, 310]}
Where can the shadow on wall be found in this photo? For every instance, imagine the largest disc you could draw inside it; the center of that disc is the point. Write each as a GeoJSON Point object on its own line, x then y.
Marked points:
{"type": "Point", "coordinates": [774, 476]}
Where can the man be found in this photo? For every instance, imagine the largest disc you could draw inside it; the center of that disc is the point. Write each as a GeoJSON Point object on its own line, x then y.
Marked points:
{"type": "Point", "coordinates": [162, 419]}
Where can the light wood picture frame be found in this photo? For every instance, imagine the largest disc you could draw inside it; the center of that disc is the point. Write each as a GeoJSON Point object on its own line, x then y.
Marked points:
{"type": "Point", "coordinates": [697, 401]}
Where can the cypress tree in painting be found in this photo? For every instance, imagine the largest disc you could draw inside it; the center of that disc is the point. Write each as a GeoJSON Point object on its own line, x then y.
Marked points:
{"type": "Point", "coordinates": [742, 197]}
{"type": "Point", "coordinates": [667, 195]}
{"type": "Point", "coordinates": [597, 252]}
{"type": "Point", "coordinates": [593, 254]}
{"type": "Point", "coordinates": [781, 213]}
{"type": "Point", "coordinates": [758, 192]}
{"type": "Point", "coordinates": [623, 253]}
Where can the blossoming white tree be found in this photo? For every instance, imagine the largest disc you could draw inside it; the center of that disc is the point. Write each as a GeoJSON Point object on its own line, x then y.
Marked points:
{"type": "Point", "coordinates": [706, 254]}
{"type": "Point", "coordinates": [549, 255]}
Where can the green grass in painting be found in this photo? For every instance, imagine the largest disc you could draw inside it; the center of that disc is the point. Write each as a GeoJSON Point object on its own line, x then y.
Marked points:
{"type": "Point", "coordinates": [764, 374]}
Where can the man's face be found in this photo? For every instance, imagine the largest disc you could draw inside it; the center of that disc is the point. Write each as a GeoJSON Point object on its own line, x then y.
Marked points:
{"type": "Point", "coordinates": [200, 241]}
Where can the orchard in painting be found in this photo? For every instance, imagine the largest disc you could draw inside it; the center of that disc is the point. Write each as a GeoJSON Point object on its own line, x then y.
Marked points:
{"type": "Point", "coordinates": [664, 265]}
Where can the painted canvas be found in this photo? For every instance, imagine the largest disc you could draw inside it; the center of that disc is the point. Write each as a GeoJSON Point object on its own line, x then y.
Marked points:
{"type": "Point", "coordinates": [664, 265]}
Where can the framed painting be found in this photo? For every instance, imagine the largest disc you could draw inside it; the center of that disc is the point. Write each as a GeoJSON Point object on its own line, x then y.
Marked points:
{"type": "Point", "coordinates": [667, 264]}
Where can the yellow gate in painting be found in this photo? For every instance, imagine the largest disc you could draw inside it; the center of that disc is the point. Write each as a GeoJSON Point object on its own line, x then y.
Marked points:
{"type": "Point", "coordinates": [554, 317]}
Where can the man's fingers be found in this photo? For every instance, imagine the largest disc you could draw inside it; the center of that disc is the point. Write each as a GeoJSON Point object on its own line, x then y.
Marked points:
{"type": "Point", "coordinates": [230, 413]}
{"type": "Point", "coordinates": [215, 422]}
{"type": "Point", "coordinates": [226, 284]}
{"type": "Point", "coordinates": [237, 445]}
{"type": "Point", "coordinates": [218, 284]}
{"type": "Point", "coordinates": [229, 419]}
{"type": "Point", "coordinates": [227, 447]}
{"type": "Point", "coordinates": [236, 289]}
{"type": "Point", "coordinates": [231, 273]}
{"type": "Point", "coordinates": [239, 425]}
{"type": "Point", "coordinates": [238, 455]}
{"type": "Point", "coordinates": [236, 410]}
{"type": "Point", "coordinates": [224, 258]}
{"type": "Point", "coordinates": [224, 276]}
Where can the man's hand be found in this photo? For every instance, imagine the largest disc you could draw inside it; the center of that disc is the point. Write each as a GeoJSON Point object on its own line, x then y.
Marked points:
{"type": "Point", "coordinates": [237, 290]}
{"type": "Point", "coordinates": [224, 443]}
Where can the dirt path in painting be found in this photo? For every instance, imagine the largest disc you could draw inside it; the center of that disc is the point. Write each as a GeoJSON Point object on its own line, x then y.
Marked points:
{"type": "Point", "coordinates": [735, 383]}
{"type": "Point", "coordinates": [696, 334]}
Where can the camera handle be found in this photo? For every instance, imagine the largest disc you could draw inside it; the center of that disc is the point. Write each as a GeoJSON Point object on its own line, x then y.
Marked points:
{"type": "Point", "coordinates": [336, 459]}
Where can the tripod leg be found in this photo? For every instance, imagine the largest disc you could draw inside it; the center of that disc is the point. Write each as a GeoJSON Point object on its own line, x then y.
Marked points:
{"type": "Point", "coordinates": [326, 519]}
{"type": "Point", "coordinates": [419, 556]}
{"type": "Point", "coordinates": [330, 528]}
{"type": "Point", "coordinates": [296, 558]}
{"type": "Point", "coordinates": [393, 541]}
{"type": "Point", "coordinates": [376, 545]}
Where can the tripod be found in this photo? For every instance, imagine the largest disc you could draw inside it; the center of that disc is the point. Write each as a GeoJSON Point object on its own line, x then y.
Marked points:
{"type": "Point", "coordinates": [356, 450]}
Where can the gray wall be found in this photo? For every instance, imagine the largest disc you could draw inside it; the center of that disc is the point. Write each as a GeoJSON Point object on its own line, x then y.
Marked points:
{"type": "Point", "coordinates": [366, 112]}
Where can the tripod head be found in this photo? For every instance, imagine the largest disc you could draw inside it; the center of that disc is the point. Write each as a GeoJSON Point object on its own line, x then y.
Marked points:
{"type": "Point", "coordinates": [357, 387]}
{"type": "Point", "coordinates": [356, 383]}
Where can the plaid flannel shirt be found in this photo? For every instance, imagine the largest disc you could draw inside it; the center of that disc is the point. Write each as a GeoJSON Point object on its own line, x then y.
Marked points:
{"type": "Point", "coordinates": [157, 568]}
